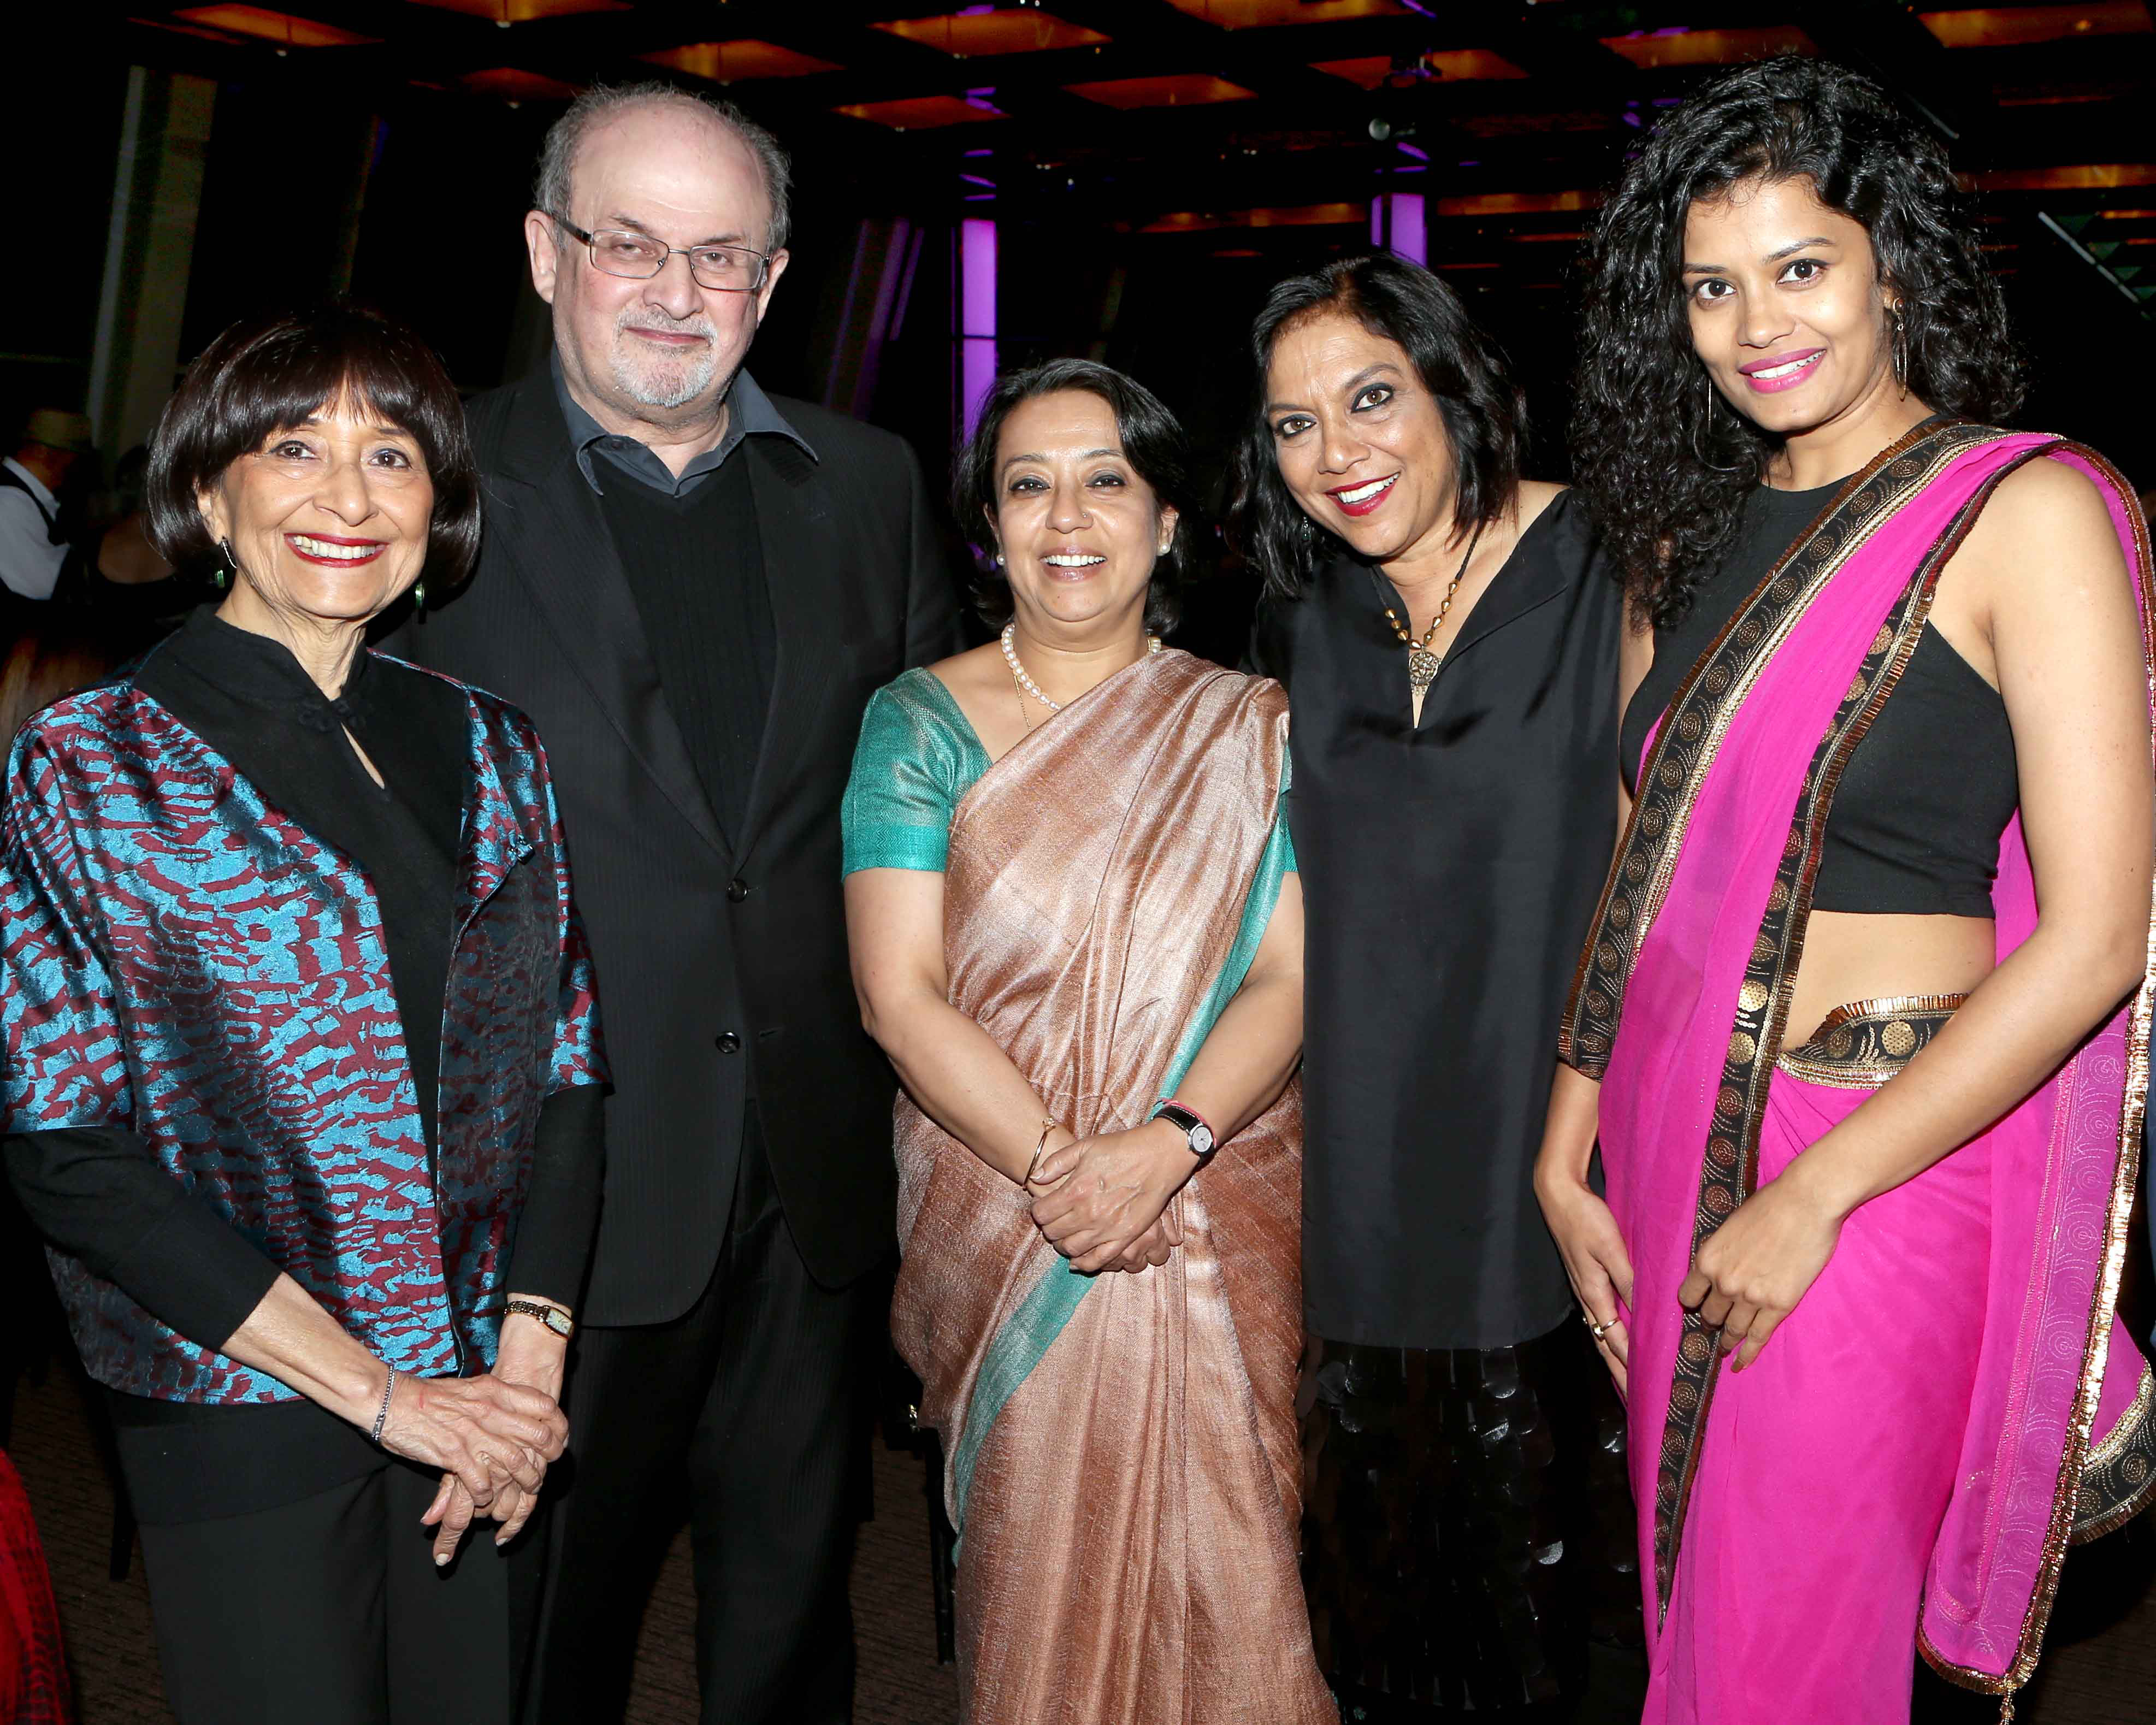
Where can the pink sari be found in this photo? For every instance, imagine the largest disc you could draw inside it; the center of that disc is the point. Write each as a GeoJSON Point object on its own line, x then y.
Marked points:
{"type": "Point", "coordinates": [1873, 1485]}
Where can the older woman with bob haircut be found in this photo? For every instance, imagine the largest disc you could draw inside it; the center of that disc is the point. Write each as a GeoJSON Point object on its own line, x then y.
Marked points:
{"type": "Point", "coordinates": [1077, 932]}
{"type": "Point", "coordinates": [301, 1062]}
{"type": "Point", "coordinates": [1862, 1020]}
{"type": "Point", "coordinates": [1448, 633]}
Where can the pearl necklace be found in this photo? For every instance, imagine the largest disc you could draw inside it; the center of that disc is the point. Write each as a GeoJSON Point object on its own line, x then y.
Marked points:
{"type": "Point", "coordinates": [1026, 683]}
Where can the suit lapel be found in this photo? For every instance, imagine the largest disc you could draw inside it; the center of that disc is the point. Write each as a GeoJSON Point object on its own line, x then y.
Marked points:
{"type": "Point", "coordinates": [800, 564]}
{"type": "Point", "coordinates": [566, 560]}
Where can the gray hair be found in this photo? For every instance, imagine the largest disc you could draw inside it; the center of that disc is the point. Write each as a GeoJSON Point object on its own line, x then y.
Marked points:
{"type": "Point", "coordinates": [557, 156]}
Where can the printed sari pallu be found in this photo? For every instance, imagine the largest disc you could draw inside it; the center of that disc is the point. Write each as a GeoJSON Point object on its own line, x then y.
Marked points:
{"type": "Point", "coordinates": [1122, 1465]}
{"type": "Point", "coordinates": [1952, 1402]}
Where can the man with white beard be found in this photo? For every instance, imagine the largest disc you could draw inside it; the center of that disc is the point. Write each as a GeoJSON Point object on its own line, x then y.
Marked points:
{"type": "Point", "coordinates": [693, 589]}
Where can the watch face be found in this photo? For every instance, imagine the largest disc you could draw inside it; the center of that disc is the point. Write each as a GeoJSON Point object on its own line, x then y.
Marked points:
{"type": "Point", "coordinates": [1201, 1139]}
{"type": "Point", "coordinates": [555, 1322]}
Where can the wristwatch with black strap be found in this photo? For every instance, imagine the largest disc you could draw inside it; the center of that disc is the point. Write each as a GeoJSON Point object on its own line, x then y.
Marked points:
{"type": "Point", "coordinates": [1191, 1123]}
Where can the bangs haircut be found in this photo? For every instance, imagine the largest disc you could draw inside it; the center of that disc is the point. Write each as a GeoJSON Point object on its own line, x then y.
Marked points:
{"type": "Point", "coordinates": [272, 373]}
{"type": "Point", "coordinates": [1153, 444]}
{"type": "Point", "coordinates": [1484, 414]}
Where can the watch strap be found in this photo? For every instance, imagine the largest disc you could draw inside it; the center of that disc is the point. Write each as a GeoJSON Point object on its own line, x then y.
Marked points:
{"type": "Point", "coordinates": [1188, 1120]}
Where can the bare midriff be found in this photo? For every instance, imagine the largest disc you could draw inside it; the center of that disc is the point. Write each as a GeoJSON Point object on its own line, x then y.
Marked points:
{"type": "Point", "coordinates": [1849, 956]}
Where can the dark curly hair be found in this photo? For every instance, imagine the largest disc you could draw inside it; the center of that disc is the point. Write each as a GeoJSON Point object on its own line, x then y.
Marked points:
{"type": "Point", "coordinates": [265, 374]}
{"type": "Point", "coordinates": [1484, 414]}
{"type": "Point", "coordinates": [1663, 460]}
{"type": "Point", "coordinates": [1153, 445]}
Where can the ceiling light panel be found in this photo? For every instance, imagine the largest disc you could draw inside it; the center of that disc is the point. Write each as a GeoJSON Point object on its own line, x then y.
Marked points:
{"type": "Point", "coordinates": [1005, 30]}
{"type": "Point", "coordinates": [1460, 66]}
{"type": "Point", "coordinates": [277, 26]}
{"type": "Point", "coordinates": [1302, 215]}
{"type": "Point", "coordinates": [1650, 48]}
{"type": "Point", "coordinates": [732, 62]}
{"type": "Point", "coordinates": [922, 113]}
{"type": "Point", "coordinates": [523, 12]}
{"type": "Point", "coordinates": [1188, 90]}
{"type": "Point", "coordinates": [2020, 26]}
{"type": "Point", "coordinates": [513, 84]}
{"type": "Point", "coordinates": [1252, 14]}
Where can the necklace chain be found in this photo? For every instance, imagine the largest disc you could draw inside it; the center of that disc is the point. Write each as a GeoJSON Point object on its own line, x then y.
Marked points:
{"type": "Point", "coordinates": [1422, 663]}
{"type": "Point", "coordinates": [1026, 683]}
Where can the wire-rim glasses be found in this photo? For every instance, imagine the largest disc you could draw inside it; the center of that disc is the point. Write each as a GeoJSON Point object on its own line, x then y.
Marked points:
{"type": "Point", "coordinates": [639, 257]}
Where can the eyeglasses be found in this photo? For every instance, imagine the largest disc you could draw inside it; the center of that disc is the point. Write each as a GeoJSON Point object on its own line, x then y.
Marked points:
{"type": "Point", "coordinates": [729, 269]}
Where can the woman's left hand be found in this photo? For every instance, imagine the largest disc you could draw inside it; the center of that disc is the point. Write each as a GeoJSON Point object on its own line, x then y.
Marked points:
{"type": "Point", "coordinates": [532, 1355]}
{"type": "Point", "coordinates": [1094, 1197]}
{"type": "Point", "coordinates": [1752, 1271]}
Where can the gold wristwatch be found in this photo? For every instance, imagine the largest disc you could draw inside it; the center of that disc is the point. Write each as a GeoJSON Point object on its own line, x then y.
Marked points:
{"type": "Point", "coordinates": [553, 1316]}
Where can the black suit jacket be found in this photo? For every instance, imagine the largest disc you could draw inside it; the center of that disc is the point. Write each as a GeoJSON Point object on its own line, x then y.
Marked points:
{"type": "Point", "coordinates": [719, 955]}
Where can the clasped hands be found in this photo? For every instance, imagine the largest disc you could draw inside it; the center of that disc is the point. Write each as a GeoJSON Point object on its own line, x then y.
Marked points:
{"type": "Point", "coordinates": [1102, 1202]}
{"type": "Point", "coordinates": [492, 1435]}
{"type": "Point", "coordinates": [1746, 1278]}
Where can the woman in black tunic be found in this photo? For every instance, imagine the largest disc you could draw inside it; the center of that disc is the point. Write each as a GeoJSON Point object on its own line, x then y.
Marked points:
{"type": "Point", "coordinates": [1450, 638]}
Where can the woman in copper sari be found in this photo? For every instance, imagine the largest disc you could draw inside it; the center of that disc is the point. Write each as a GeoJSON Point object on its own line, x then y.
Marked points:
{"type": "Point", "coordinates": [1077, 932]}
{"type": "Point", "coordinates": [1862, 1019]}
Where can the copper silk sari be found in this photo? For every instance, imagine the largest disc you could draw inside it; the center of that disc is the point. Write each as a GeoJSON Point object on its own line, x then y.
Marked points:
{"type": "Point", "coordinates": [1952, 1402]}
{"type": "Point", "coordinates": [1122, 1462]}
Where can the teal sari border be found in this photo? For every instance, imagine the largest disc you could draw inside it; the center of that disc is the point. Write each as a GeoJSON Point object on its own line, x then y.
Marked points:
{"type": "Point", "coordinates": [1029, 1332]}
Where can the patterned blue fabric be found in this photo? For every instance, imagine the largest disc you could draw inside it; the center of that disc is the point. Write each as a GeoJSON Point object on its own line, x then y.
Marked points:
{"type": "Point", "coordinates": [182, 960]}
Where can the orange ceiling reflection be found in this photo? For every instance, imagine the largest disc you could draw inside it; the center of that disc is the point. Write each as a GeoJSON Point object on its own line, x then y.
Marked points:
{"type": "Point", "coordinates": [1007, 30]}
{"type": "Point", "coordinates": [523, 12]}
{"type": "Point", "coordinates": [921, 113]}
{"type": "Point", "coordinates": [2087, 176]}
{"type": "Point", "coordinates": [2013, 26]}
{"type": "Point", "coordinates": [514, 84]}
{"type": "Point", "coordinates": [1456, 66]}
{"type": "Point", "coordinates": [1517, 204]}
{"type": "Point", "coordinates": [1248, 14]}
{"type": "Point", "coordinates": [1302, 215]}
{"type": "Point", "coordinates": [1184, 90]}
{"type": "Point", "coordinates": [1709, 48]}
{"type": "Point", "coordinates": [277, 26]}
{"type": "Point", "coordinates": [730, 62]}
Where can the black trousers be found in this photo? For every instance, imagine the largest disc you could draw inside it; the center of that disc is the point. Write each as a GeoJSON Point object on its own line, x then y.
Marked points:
{"type": "Point", "coordinates": [332, 1611]}
{"type": "Point", "coordinates": [751, 1412]}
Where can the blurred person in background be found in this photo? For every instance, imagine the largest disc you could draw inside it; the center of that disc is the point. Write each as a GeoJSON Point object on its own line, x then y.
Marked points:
{"type": "Point", "coordinates": [33, 540]}
{"type": "Point", "coordinates": [695, 588]}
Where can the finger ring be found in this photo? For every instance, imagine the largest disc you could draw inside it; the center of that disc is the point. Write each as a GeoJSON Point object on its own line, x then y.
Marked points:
{"type": "Point", "coordinates": [1599, 1331]}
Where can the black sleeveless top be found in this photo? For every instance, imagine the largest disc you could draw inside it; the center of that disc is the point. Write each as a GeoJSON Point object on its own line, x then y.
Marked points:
{"type": "Point", "coordinates": [1915, 821]}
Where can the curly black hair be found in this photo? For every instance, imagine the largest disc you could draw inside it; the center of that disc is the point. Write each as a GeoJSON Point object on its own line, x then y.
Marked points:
{"type": "Point", "coordinates": [1153, 445]}
{"type": "Point", "coordinates": [1663, 460]}
{"type": "Point", "coordinates": [1484, 414]}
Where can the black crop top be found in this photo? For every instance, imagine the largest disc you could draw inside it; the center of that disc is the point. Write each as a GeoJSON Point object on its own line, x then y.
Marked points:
{"type": "Point", "coordinates": [1915, 826]}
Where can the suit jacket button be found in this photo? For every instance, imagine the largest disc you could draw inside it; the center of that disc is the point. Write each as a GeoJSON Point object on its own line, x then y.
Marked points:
{"type": "Point", "coordinates": [737, 889]}
{"type": "Point", "coordinates": [728, 1043]}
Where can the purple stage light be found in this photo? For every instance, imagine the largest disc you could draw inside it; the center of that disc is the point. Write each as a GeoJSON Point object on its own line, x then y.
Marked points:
{"type": "Point", "coordinates": [1397, 225]}
{"type": "Point", "coordinates": [976, 316]}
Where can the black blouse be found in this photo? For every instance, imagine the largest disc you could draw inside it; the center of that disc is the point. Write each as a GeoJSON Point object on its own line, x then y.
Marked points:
{"type": "Point", "coordinates": [101, 1195]}
{"type": "Point", "coordinates": [1914, 827]}
{"type": "Point", "coordinates": [1449, 871]}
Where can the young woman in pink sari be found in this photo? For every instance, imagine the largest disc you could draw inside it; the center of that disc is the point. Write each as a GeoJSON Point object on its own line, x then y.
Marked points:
{"type": "Point", "coordinates": [1869, 1122]}
{"type": "Point", "coordinates": [1077, 931]}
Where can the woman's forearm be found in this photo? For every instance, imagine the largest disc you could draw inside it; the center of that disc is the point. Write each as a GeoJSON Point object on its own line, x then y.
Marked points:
{"type": "Point", "coordinates": [2011, 1033]}
{"type": "Point", "coordinates": [961, 1079]}
{"type": "Point", "coordinates": [1568, 1129]}
{"type": "Point", "coordinates": [1249, 1056]}
{"type": "Point", "coordinates": [290, 1337]}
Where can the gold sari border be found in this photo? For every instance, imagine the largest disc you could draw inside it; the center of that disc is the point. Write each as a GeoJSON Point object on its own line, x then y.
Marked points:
{"type": "Point", "coordinates": [2133, 1112]}
{"type": "Point", "coordinates": [1862, 1045]}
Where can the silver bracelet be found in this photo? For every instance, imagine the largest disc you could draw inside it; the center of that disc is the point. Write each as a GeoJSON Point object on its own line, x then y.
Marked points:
{"type": "Point", "coordinates": [382, 1413]}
